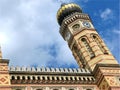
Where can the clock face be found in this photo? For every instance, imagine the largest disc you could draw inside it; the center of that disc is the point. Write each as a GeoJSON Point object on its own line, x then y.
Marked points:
{"type": "Point", "coordinates": [67, 36]}
{"type": "Point", "coordinates": [76, 27]}
{"type": "Point", "coordinates": [86, 24]}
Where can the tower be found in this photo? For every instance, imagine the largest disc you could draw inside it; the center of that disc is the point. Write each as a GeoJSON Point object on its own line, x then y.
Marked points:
{"type": "Point", "coordinates": [87, 46]}
{"type": "Point", "coordinates": [85, 43]}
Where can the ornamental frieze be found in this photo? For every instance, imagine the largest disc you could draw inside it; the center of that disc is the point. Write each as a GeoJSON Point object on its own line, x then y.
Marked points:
{"type": "Point", "coordinates": [3, 68]}
{"type": "Point", "coordinates": [110, 71]}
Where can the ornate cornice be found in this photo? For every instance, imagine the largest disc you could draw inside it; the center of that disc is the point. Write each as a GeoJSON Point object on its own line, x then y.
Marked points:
{"type": "Point", "coordinates": [71, 18]}
{"type": "Point", "coordinates": [31, 75]}
{"type": "Point", "coordinates": [4, 61]}
{"type": "Point", "coordinates": [51, 79]}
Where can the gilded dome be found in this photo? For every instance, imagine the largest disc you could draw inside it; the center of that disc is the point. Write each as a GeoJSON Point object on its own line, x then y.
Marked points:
{"type": "Point", "coordinates": [67, 9]}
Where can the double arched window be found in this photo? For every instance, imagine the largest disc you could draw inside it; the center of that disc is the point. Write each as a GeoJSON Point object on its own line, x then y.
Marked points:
{"type": "Point", "coordinates": [91, 53]}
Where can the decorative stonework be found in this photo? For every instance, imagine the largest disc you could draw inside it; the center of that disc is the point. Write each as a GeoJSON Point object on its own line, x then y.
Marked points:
{"type": "Point", "coordinates": [99, 75]}
{"type": "Point", "coordinates": [48, 70]}
{"type": "Point", "coordinates": [38, 87]}
{"type": "Point", "coordinates": [108, 82]}
{"type": "Point", "coordinates": [112, 81]}
{"type": "Point", "coordinates": [107, 76]}
{"type": "Point", "coordinates": [111, 71]}
{"type": "Point", "coordinates": [51, 79]}
{"type": "Point", "coordinates": [3, 68]}
{"type": "Point", "coordinates": [104, 85]}
{"type": "Point", "coordinates": [4, 80]}
{"type": "Point", "coordinates": [55, 88]}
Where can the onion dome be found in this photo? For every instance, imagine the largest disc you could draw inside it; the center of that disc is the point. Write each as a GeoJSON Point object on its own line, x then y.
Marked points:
{"type": "Point", "coordinates": [67, 9]}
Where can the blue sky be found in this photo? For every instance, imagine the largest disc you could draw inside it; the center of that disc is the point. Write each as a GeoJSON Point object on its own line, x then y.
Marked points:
{"type": "Point", "coordinates": [29, 32]}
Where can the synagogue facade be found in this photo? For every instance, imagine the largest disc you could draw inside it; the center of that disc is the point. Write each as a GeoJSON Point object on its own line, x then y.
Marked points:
{"type": "Point", "coordinates": [98, 69]}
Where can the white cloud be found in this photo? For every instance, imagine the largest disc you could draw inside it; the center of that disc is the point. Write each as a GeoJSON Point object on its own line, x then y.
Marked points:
{"type": "Point", "coordinates": [116, 31]}
{"type": "Point", "coordinates": [31, 28]}
{"type": "Point", "coordinates": [64, 1]}
{"type": "Point", "coordinates": [106, 14]}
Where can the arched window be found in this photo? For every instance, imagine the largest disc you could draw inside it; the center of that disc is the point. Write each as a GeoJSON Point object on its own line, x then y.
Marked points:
{"type": "Point", "coordinates": [84, 79]}
{"type": "Point", "coordinates": [71, 78]}
{"type": "Point", "coordinates": [48, 78]}
{"type": "Point", "coordinates": [98, 41]}
{"type": "Point", "coordinates": [43, 78]}
{"type": "Point", "coordinates": [38, 78]}
{"type": "Point", "coordinates": [53, 78]}
{"type": "Point", "coordinates": [80, 79]}
{"type": "Point", "coordinates": [67, 78]}
{"type": "Point", "coordinates": [23, 78]}
{"type": "Point", "coordinates": [57, 78]}
{"type": "Point", "coordinates": [18, 77]}
{"type": "Point", "coordinates": [91, 53]}
{"type": "Point", "coordinates": [79, 54]}
{"type": "Point", "coordinates": [28, 77]}
{"type": "Point", "coordinates": [62, 78]}
{"type": "Point", "coordinates": [33, 78]}
{"type": "Point", "coordinates": [13, 77]}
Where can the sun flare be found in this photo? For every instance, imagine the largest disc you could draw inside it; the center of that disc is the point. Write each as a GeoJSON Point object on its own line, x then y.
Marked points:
{"type": "Point", "coordinates": [3, 38]}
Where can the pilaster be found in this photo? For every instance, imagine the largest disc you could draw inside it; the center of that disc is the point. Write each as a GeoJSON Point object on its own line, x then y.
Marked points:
{"type": "Point", "coordinates": [107, 76]}
{"type": "Point", "coordinates": [4, 75]}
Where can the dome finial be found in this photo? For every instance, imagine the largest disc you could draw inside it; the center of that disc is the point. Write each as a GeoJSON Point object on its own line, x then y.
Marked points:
{"type": "Point", "coordinates": [67, 9]}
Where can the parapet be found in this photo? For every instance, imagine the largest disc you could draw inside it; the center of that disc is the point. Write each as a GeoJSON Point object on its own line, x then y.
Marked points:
{"type": "Point", "coordinates": [47, 69]}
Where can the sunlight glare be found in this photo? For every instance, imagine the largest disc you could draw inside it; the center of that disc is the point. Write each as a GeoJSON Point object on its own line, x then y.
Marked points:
{"type": "Point", "coordinates": [3, 38]}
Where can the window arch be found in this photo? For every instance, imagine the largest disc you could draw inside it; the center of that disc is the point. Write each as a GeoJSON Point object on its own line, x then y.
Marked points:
{"type": "Point", "coordinates": [23, 78]}
{"type": "Point", "coordinates": [98, 41]}
{"type": "Point", "coordinates": [38, 78]}
{"type": "Point", "coordinates": [18, 77]}
{"type": "Point", "coordinates": [91, 53]}
{"type": "Point", "coordinates": [34, 78]}
{"type": "Point", "coordinates": [28, 77]}
{"type": "Point", "coordinates": [48, 78]}
{"type": "Point", "coordinates": [57, 78]}
{"type": "Point", "coordinates": [71, 78]}
{"type": "Point", "coordinates": [67, 78]}
{"type": "Point", "coordinates": [62, 78]}
{"type": "Point", "coordinates": [13, 77]}
{"type": "Point", "coordinates": [75, 78]}
{"type": "Point", "coordinates": [43, 78]}
{"type": "Point", "coordinates": [79, 54]}
{"type": "Point", "coordinates": [53, 78]}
